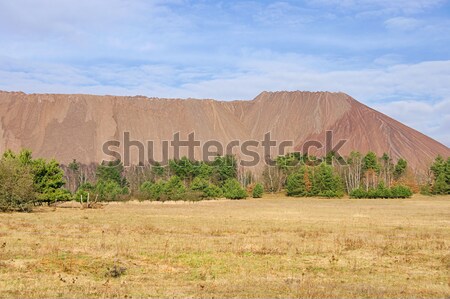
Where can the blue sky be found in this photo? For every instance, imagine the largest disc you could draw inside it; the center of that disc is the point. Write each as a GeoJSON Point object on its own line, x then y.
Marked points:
{"type": "Point", "coordinates": [391, 55]}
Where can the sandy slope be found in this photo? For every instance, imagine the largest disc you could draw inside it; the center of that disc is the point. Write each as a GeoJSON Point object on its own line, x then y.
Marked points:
{"type": "Point", "coordinates": [76, 126]}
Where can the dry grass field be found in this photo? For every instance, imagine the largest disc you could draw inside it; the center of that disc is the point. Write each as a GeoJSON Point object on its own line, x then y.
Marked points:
{"type": "Point", "coordinates": [271, 247]}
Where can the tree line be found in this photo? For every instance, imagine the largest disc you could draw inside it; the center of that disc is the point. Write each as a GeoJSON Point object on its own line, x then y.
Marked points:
{"type": "Point", "coordinates": [358, 175]}
{"type": "Point", "coordinates": [26, 181]}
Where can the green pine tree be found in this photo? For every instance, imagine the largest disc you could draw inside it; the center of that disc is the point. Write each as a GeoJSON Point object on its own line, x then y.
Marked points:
{"type": "Point", "coordinates": [295, 183]}
{"type": "Point", "coordinates": [258, 191]}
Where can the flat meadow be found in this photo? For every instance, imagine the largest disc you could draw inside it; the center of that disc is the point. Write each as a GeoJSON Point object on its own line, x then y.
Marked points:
{"type": "Point", "coordinates": [270, 247]}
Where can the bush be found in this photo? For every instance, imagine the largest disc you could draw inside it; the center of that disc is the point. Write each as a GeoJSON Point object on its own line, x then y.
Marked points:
{"type": "Point", "coordinates": [191, 195]}
{"type": "Point", "coordinates": [174, 189]}
{"type": "Point", "coordinates": [382, 192]}
{"type": "Point", "coordinates": [199, 184]}
{"type": "Point", "coordinates": [206, 188]}
{"type": "Point", "coordinates": [102, 191]}
{"type": "Point", "coordinates": [258, 191]}
{"type": "Point", "coordinates": [16, 187]}
{"type": "Point", "coordinates": [54, 195]}
{"type": "Point", "coordinates": [232, 189]}
{"type": "Point", "coordinates": [157, 190]}
{"type": "Point", "coordinates": [109, 191]}
{"type": "Point", "coordinates": [212, 191]}
{"type": "Point", "coordinates": [401, 192]}
{"type": "Point", "coordinates": [358, 193]}
{"type": "Point", "coordinates": [81, 195]}
{"type": "Point", "coordinates": [425, 190]}
{"type": "Point", "coordinates": [153, 191]}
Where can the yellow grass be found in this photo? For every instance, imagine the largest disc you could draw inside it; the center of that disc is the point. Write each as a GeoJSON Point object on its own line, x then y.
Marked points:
{"type": "Point", "coordinates": [270, 247]}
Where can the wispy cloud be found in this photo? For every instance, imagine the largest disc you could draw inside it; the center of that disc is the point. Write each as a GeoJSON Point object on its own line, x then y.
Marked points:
{"type": "Point", "coordinates": [384, 53]}
{"type": "Point", "coordinates": [402, 23]}
{"type": "Point", "coordinates": [382, 6]}
{"type": "Point", "coordinates": [432, 118]}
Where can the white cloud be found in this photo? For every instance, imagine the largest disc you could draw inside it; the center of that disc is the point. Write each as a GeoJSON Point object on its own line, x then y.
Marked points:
{"type": "Point", "coordinates": [388, 59]}
{"type": "Point", "coordinates": [283, 13]}
{"type": "Point", "coordinates": [385, 6]}
{"type": "Point", "coordinates": [87, 28]}
{"type": "Point", "coordinates": [384, 87]}
{"type": "Point", "coordinates": [402, 23]}
{"type": "Point", "coordinates": [432, 119]}
{"type": "Point", "coordinates": [232, 50]}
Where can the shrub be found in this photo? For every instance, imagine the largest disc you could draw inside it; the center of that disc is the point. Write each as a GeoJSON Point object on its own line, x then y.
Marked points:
{"type": "Point", "coordinates": [382, 192]}
{"type": "Point", "coordinates": [232, 189]}
{"type": "Point", "coordinates": [81, 195]}
{"type": "Point", "coordinates": [206, 188]}
{"type": "Point", "coordinates": [401, 192]}
{"type": "Point", "coordinates": [212, 191]}
{"type": "Point", "coordinates": [191, 195]}
{"type": "Point", "coordinates": [358, 193]}
{"type": "Point", "coordinates": [16, 187]}
{"type": "Point", "coordinates": [425, 190]}
{"type": "Point", "coordinates": [102, 191]}
{"type": "Point", "coordinates": [145, 190]}
{"type": "Point", "coordinates": [54, 195]}
{"type": "Point", "coordinates": [174, 188]}
{"type": "Point", "coordinates": [109, 191]}
{"type": "Point", "coordinates": [199, 184]}
{"type": "Point", "coordinates": [258, 191]}
{"type": "Point", "coordinates": [153, 191]}
{"type": "Point", "coordinates": [372, 193]}
{"type": "Point", "coordinates": [157, 190]}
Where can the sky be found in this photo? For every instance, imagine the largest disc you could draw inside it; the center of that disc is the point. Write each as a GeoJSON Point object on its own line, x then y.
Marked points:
{"type": "Point", "coordinates": [391, 55]}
